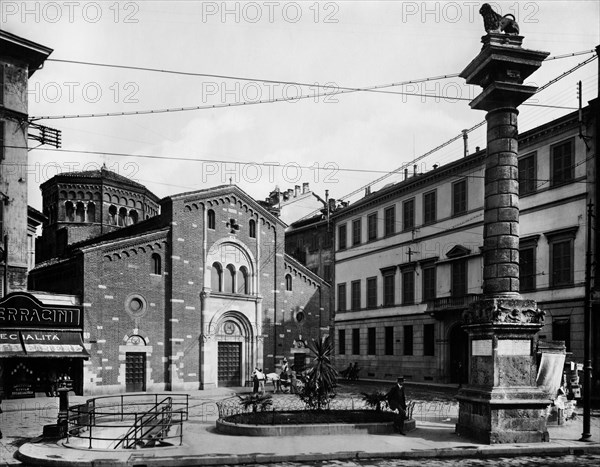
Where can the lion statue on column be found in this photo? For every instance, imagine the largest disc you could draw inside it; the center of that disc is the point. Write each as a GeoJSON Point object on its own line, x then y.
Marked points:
{"type": "Point", "coordinates": [495, 22]}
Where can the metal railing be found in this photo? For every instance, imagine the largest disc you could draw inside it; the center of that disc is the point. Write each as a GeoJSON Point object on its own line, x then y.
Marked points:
{"type": "Point", "coordinates": [418, 409]}
{"type": "Point", "coordinates": [106, 420]}
{"type": "Point", "coordinates": [149, 427]}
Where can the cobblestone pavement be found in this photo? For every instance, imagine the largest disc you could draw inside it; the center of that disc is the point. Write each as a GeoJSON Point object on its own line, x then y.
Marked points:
{"type": "Point", "coordinates": [26, 420]}
{"type": "Point", "coordinates": [565, 461]}
{"type": "Point", "coordinates": [21, 423]}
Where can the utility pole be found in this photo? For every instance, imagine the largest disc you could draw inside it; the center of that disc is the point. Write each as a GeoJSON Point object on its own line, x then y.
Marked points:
{"type": "Point", "coordinates": [587, 329]}
{"type": "Point", "coordinates": [587, 303]}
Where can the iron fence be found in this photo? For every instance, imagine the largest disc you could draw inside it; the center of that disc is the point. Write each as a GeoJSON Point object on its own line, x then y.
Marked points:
{"type": "Point", "coordinates": [419, 410]}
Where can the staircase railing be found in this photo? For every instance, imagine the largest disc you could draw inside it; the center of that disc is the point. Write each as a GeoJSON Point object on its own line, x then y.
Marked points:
{"type": "Point", "coordinates": [146, 419]}
{"type": "Point", "coordinates": [149, 427]}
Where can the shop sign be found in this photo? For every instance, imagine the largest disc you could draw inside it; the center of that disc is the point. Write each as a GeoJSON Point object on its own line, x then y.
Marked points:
{"type": "Point", "coordinates": [22, 390]}
{"type": "Point", "coordinates": [50, 342]}
{"type": "Point", "coordinates": [22, 310]}
{"type": "Point", "coordinates": [10, 342]}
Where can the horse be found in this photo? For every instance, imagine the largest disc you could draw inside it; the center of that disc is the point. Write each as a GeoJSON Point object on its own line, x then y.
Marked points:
{"type": "Point", "coordinates": [279, 383]}
{"type": "Point", "coordinates": [275, 379]}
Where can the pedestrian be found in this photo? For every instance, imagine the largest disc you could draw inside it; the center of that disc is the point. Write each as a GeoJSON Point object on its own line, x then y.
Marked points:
{"type": "Point", "coordinates": [396, 399]}
{"type": "Point", "coordinates": [255, 380]}
{"type": "Point", "coordinates": [261, 381]}
{"type": "Point", "coordinates": [284, 366]}
{"type": "Point", "coordinates": [354, 372]}
{"type": "Point", "coordinates": [284, 375]}
{"type": "Point", "coordinates": [347, 372]}
{"type": "Point", "coordinates": [293, 383]}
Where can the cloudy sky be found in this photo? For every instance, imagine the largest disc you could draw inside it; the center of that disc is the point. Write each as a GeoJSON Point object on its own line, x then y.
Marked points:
{"type": "Point", "coordinates": [225, 54]}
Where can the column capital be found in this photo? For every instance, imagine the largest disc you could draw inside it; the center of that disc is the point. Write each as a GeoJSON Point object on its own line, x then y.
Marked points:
{"type": "Point", "coordinates": [510, 309]}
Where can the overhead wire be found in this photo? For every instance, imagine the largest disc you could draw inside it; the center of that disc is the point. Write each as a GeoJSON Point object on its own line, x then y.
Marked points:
{"type": "Point", "coordinates": [259, 80]}
{"type": "Point", "coordinates": [191, 159]}
{"type": "Point", "coordinates": [264, 80]}
{"type": "Point", "coordinates": [387, 173]}
{"type": "Point", "coordinates": [337, 90]}
{"type": "Point", "coordinates": [460, 136]}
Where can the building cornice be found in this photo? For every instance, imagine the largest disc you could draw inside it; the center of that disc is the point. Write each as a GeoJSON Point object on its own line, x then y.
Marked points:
{"type": "Point", "coordinates": [214, 193]}
{"type": "Point", "coordinates": [24, 50]}
{"type": "Point", "coordinates": [526, 139]}
{"type": "Point", "coordinates": [292, 264]}
{"type": "Point", "coordinates": [125, 242]}
{"type": "Point", "coordinates": [397, 190]}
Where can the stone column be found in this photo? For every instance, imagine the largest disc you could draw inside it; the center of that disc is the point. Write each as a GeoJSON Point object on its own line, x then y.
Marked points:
{"type": "Point", "coordinates": [501, 205]}
{"type": "Point", "coordinates": [501, 402]}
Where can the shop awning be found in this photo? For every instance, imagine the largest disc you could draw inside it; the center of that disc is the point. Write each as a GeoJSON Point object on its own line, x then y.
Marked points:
{"type": "Point", "coordinates": [10, 344]}
{"type": "Point", "coordinates": [53, 344]}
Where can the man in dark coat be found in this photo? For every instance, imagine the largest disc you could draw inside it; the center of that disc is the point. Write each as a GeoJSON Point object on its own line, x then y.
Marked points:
{"type": "Point", "coordinates": [255, 380]}
{"type": "Point", "coordinates": [397, 401]}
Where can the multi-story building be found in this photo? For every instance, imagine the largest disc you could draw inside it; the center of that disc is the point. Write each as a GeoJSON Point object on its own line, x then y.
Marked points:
{"type": "Point", "coordinates": [292, 204]}
{"type": "Point", "coordinates": [38, 331]}
{"type": "Point", "coordinates": [310, 241]}
{"type": "Point", "coordinates": [194, 297]}
{"type": "Point", "coordinates": [408, 258]}
{"type": "Point", "coordinates": [19, 59]}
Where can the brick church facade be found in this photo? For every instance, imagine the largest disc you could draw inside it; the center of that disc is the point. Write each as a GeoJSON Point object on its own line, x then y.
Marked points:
{"type": "Point", "coordinates": [191, 298]}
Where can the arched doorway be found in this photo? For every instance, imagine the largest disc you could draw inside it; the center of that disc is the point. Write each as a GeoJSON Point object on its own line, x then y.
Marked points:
{"type": "Point", "coordinates": [458, 341]}
{"type": "Point", "coordinates": [235, 351]}
{"type": "Point", "coordinates": [229, 354]}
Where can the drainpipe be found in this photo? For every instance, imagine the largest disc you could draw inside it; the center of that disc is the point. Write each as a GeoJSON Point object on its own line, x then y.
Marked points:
{"type": "Point", "coordinates": [5, 254]}
{"type": "Point", "coordinates": [101, 205]}
{"type": "Point", "coordinates": [320, 309]}
{"type": "Point", "coordinates": [275, 299]}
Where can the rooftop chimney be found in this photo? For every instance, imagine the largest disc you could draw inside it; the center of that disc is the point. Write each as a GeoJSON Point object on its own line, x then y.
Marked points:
{"type": "Point", "coordinates": [466, 141]}
{"type": "Point", "coordinates": [405, 174]}
{"type": "Point", "coordinates": [296, 191]}
{"type": "Point", "coordinates": [305, 188]}
{"type": "Point", "coordinates": [415, 170]}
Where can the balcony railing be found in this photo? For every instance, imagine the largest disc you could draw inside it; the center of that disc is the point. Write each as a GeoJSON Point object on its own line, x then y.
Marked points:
{"type": "Point", "coordinates": [452, 303]}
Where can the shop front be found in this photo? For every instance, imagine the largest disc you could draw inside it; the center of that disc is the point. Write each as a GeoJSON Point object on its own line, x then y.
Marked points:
{"type": "Point", "coordinates": [41, 347]}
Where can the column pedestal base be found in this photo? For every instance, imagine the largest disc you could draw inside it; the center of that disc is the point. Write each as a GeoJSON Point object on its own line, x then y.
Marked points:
{"type": "Point", "coordinates": [503, 415]}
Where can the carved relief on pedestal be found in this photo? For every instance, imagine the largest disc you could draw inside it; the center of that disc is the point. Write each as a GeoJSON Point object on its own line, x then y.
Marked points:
{"type": "Point", "coordinates": [500, 310]}
{"type": "Point", "coordinates": [515, 371]}
{"type": "Point", "coordinates": [482, 372]}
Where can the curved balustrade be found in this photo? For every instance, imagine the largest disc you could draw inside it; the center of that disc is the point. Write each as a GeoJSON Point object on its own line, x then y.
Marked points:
{"type": "Point", "coordinates": [418, 409]}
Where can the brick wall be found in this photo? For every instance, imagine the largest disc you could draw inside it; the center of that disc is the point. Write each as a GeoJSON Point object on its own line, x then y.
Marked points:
{"type": "Point", "coordinates": [123, 298]}
{"type": "Point", "coordinates": [116, 280]}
